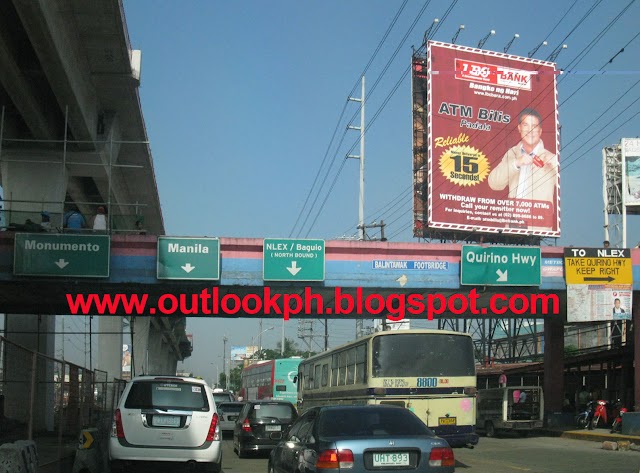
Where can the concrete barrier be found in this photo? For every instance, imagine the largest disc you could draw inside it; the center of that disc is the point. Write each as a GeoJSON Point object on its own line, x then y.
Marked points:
{"type": "Point", "coordinates": [631, 423]}
{"type": "Point", "coordinates": [91, 454]}
{"type": "Point", "coordinates": [19, 457]}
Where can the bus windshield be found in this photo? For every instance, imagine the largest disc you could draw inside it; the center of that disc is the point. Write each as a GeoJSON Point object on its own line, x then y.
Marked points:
{"type": "Point", "coordinates": [417, 355]}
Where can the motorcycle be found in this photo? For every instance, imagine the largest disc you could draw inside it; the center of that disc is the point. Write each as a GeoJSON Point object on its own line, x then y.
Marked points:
{"type": "Point", "coordinates": [616, 425]}
{"type": "Point", "coordinates": [601, 414]}
{"type": "Point", "coordinates": [584, 417]}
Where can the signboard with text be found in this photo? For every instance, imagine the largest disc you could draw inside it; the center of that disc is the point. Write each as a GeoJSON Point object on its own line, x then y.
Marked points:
{"type": "Point", "coordinates": [630, 151]}
{"type": "Point", "coordinates": [598, 266]}
{"type": "Point", "coordinates": [485, 142]}
{"type": "Point", "coordinates": [188, 258]}
{"type": "Point", "coordinates": [500, 265]}
{"type": "Point", "coordinates": [64, 255]}
{"type": "Point", "coordinates": [286, 259]}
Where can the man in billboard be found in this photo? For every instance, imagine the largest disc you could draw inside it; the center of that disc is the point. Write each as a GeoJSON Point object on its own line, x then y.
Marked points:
{"type": "Point", "coordinates": [528, 169]}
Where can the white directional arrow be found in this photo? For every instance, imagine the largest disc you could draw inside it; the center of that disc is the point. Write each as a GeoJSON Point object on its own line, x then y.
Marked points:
{"type": "Point", "coordinates": [402, 280]}
{"type": "Point", "coordinates": [61, 263]}
{"type": "Point", "coordinates": [294, 268]}
{"type": "Point", "coordinates": [502, 276]}
{"type": "Point", "coordinates": [188, 268]}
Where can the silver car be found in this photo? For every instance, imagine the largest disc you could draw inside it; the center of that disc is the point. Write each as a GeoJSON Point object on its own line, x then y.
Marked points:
{"type": "Point", "coordinates": [228, 412]}
{"type": "Point", "coordinates": [162, 419]}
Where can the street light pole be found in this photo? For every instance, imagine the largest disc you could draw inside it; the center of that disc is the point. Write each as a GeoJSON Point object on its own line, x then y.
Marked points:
{"type": "Point", "coordinates": [259, 336]}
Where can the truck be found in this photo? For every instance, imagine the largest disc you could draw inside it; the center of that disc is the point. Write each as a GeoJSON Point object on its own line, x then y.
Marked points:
{"type": "Point", "coordinates": [510, 409]}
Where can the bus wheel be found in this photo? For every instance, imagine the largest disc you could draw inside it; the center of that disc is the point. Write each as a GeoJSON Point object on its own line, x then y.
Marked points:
{"type": "Point", "coordinates": [489, 429]}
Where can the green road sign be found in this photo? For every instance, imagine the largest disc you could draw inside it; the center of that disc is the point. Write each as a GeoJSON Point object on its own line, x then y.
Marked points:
{"type": "Point", "coordinates": [293, 260]}
{"type": "Point", "coordinates": [45, 254]}
{"type": "Point", "coordinates": [500, 265]}
{"type": "Point", "coordinates": [188, 258]}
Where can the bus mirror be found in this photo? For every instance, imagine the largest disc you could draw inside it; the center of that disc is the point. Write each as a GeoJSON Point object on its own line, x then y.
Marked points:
{"type": "Point", "coordinates": [295, 379]}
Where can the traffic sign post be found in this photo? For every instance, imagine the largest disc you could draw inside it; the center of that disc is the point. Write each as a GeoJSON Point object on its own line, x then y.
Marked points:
{"type": "Point", "coordinates": [188, 258]}
{"type": "Point", "coordinates": [500, 266]}
{"type": "Point", "coordinates": [598, 266]}
{"type": "Point", "coordinates": [293, 260]}
{"type": "Point", "coordinates": [45, 254]}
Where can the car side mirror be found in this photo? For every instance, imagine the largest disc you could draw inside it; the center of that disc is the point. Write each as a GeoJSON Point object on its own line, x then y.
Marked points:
{"type": "Point", "coordinates": [295, 379]}
{"type": "Point", "coordinates": [311, 439]}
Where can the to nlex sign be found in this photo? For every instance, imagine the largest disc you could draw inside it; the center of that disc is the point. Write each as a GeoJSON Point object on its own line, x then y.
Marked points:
{"type": "Point", "coordinates": [38, 254]}
{"type": "Point", "coordinates": [500, 265]}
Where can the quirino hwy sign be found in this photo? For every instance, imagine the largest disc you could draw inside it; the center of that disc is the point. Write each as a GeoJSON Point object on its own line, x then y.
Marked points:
{"type": "Point", "coordinates": [188, 258]}
{"type": "Point", "coordinates": [43, 254]}
{"type": "Point", "coordinates": [500, 265]}
{"type": "Point", "coordinates": [293, 260]}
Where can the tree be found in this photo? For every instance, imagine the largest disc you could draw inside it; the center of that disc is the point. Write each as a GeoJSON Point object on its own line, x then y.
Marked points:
{"type": "Point", "coordinates": [235, 379]}
{"type": "Point", "coordinates": [290, 349]}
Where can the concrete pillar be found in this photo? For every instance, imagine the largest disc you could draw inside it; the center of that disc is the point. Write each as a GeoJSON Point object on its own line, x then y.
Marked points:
{"type": "Point", "coordinates": [35, 334]}
{"type": "Point", "coordinates": [554, 362]}
{"type": "Point", "coordinates": [155, 347]}
{"type": "Point", "coordinates": [141, 333]}
{"type": "Point", "coordinates": [29, 189]}
{"type": "Point", "coordinates": [110, 346]}
{"type": "Point", "coordinates": [636, 353]}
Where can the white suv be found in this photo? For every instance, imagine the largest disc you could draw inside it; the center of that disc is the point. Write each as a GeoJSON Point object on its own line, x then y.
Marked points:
{"type": "Point", "coordinates": [166, 419]}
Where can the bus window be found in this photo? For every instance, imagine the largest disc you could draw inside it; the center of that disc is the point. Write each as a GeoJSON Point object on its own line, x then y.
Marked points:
{"type": "Point", "coordinates": [325, 375]}
{"type": "Point", "coordinates": [316, 377]}
{"type": "Point", "coordinates": [334, 370]}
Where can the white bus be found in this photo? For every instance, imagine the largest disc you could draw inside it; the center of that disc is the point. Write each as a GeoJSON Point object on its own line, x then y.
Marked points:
{"type": "Point", "coordinates": [514, 408]}
{"type": "Point", "coordinates": [430, 372]}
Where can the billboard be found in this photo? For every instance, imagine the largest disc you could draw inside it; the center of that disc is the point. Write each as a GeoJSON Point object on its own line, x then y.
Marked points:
{"type": "Point", "coordinates": [126, 358]}
{"type": "Point", "coordinates": [240, 353]}
{"type": "Point", "coordinates": [485, 128]}
{"type": "Point", "coordinates": [630, 148]}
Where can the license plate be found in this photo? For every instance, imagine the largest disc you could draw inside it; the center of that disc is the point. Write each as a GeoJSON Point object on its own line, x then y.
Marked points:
{"type": "Point", "coordinates": [447, 420]}
{"type": "Point", "coordinates": [391, 459]}
{"type": "Point", "coordinates": [272, 428]}
{"type": "Point", "coordinates": [166, 421]}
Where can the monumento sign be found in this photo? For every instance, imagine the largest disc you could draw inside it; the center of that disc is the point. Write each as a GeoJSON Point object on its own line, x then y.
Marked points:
{"type": "Point", "coordinates": [45, 254]}
{"type": "Point", "coordinates": [293, 260]}
{"type": "Point", "coordinates": [188, 258]}
{"type": "Point", "coordinates": [500, 265]}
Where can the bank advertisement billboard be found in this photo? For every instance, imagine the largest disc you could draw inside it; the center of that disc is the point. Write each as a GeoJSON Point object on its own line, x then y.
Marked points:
{"type": "Point", "coordinates": [630, 150]}
{"type": "Point", "coordinates": [485, 142]}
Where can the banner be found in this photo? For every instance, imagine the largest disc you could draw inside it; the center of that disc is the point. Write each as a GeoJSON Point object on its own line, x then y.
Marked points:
{"type": "Point", "coordinates": [126, 358]}
{"type": "Point", "coordinates": [598, 303]}
{"type": "Point", "coordinates": [485, 142]}
{"type": "Point", "coordinates": [630, 148]}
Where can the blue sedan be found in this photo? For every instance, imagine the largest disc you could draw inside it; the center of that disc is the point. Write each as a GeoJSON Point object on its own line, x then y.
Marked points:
{"type": "Point", "coordinates": [361, 439]}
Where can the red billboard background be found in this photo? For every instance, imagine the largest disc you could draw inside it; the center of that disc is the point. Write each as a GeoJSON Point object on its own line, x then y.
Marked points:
{"type": "Point", "coordinates": [485, 142]}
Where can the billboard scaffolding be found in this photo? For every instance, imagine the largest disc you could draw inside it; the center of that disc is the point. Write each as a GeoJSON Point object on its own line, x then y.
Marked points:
{"type": "Point", "coordinates": [485, 146]}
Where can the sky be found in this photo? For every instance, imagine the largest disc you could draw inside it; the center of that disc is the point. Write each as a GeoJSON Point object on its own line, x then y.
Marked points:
{"type": "Point", "coordinates": [241, 100]}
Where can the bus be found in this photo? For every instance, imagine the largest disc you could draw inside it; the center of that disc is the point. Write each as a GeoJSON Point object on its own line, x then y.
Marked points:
{"type": "Point", "coordinates": [514, 408]}
{"type": "Point", "coordinates": [270, 379]}
{"type": "Point", "coordinates": [430, 372]}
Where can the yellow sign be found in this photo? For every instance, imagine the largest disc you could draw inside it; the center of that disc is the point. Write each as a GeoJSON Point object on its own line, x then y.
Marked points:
{"type": "Point", "coordinates": [86, 440]}
{"type": "Point", "coordinates": [597, 266]}
{"type": "Point", "coordinates": [447, 420]}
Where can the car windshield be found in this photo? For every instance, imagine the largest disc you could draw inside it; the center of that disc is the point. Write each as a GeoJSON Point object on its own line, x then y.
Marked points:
{"type": "Point", "coordinates": [430, 355]}
{"type": "Point", "coordinates": [230, 408]}
{"type": "Point", "coordinates": [167, 395]}
{"type": "Point", "coordinates": [284, 412]}
{"type": "Point", "coordinates": [222, 397]}
{"type": "Point", "coordinates": [370, 422]}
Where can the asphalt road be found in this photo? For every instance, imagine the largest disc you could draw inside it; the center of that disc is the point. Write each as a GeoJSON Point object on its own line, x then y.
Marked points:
{"type": "Point", "coordinates": [504, 455]}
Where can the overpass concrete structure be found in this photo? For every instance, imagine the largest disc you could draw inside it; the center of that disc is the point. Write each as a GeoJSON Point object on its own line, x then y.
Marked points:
{"type": "Point", "coordinates": [349, 265]}
{"type": "Point", "coordinates": [73, 136]}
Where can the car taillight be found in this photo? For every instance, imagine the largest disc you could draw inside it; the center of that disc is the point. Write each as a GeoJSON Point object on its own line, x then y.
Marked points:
{"type": "Point", "coordinates": [441, 456]}
{"type": "Point", "coordinates": [335, 459]}
{"type": "Point", "coordinates": [246, 426]}
{"type": "Point", "coordinates": [117, 429]}
{"type": "Point", "coordinates": [214, 431]}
